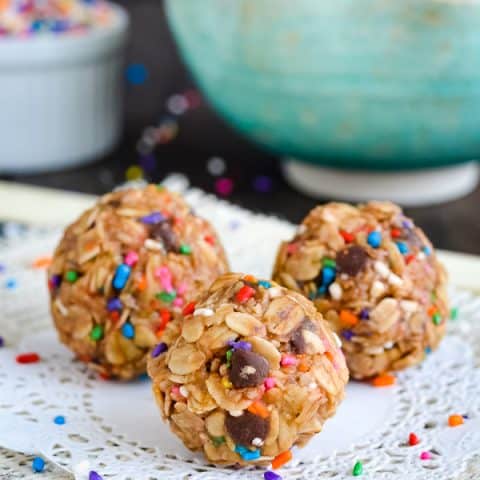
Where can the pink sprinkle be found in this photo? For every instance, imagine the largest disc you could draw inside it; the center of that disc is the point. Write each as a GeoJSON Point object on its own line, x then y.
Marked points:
{"type": "Point", "coordinates": [425, 456]}
{"type": "Point", "coordinates": [292, 247]}
{"type": "Point", "coordinates": [131, 258]}
{"type": "Point", "coordinates": [182, 288]}
{"type": "Point", "coordinates": [224, 186]}
{"type": "Point", "coordinates": [175, 390]}
{"type": "Point", "coordinates": [269, 383]}
{"type": "Point", "coordinates": [164, 275]}
{"type": "Point", "coordinates": [178, 302]}
{"type": "Point", "coordinates": [288, 360]}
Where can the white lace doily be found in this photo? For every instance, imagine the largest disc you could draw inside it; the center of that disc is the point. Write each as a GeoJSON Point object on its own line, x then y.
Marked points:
{"type": "Point", "coordinates": [115, 428]}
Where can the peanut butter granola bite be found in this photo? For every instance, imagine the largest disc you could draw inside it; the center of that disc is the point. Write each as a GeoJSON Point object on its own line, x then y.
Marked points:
{"type": "Point", "coordinates": [375, 277]}
{"type": "Point", "coordinates": [255, 371]}
{"type": "Point", "coordinates": [123, 270]}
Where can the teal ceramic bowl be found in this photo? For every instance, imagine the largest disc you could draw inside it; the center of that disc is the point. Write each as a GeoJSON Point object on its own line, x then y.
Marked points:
{"type": "Point", "coordinates": [377, 84]}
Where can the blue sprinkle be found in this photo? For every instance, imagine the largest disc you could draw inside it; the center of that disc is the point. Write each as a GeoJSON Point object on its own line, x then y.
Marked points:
{"type": "Point", "coordinates": [328, 275]}
{"type": "Point", "coordinates": [374, 239]}
{"type": "Point", "coordinates": [159, 349]}
{"type": "Point", "coordinates": [402, 247]}
{"type": "Point", "coordinates": [137, 74]}
{"type": "Point", "coordinates": [364, 314]}
{"type": "Point", "coordinates": [59, 420]}
{"type": "Point", "coordinates": [128, 330]}
{"type": "Point", "coordinates": [114, 304]}
{"type": "Point", "coordinates": [427, 251]}
{"type": "Point", "coordinates": [2, 342]}
{"type": "Point", "coordinates": [11, 283]}
{"type": "Point", "coordinates": [465, 416]}
{"type": "Point", "coordinates": [241, 345]}
{"type": "Point", "coordinates": [347, 334]}
{"type": "Point", "coordinates": [121, 276]}
{"type": "Point", "coordinates": [322, 290]}
{"type": "Point", "coordinates": [153, 218]}
{"type": "Point", "coordinates": [247, 454]}
{"type": "Point", "coordinates": [38, 464]}
{"type": "Point", "coordinates": [264, 284]}
{"type": "Point", "coordinates": [94, 476]}
{"type": "Point", "coordinates": [269, 475]}
{"type": "Point", "coordinates": [428, 350]}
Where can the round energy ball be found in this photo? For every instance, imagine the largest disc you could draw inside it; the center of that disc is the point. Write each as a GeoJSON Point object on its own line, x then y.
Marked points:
{"type": "Point", "coordinates": [254, 371]}
{"type": "Point", "coordinates": [123, 270]}
{"type": "Point", "coordinates": [375, 277]}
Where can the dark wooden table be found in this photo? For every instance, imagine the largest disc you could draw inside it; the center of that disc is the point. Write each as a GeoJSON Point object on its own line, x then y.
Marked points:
{"type": "Point", "coordinates": [454, 226]}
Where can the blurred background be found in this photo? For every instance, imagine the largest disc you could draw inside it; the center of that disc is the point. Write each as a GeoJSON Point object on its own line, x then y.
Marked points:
{"type": "Point", "coordinates": [170, 126]}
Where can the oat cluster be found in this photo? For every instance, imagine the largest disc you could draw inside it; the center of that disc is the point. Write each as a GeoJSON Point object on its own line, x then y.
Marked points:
{"type": "Point", "coordinates": [254, 370]}
{"type": "Point", "coordinates": [375, 278]}
{"type": "Point", "coordinates": [123, 270]}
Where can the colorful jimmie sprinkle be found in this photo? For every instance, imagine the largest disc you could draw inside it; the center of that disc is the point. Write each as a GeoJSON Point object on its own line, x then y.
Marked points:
{"type": "Point", "coordinates": [2, 342]}
{"type": "Point", "coordinates": [59, 420]}
{"type": "Point", "coordinates": [11, 283]}
{"type": "Point", "coordinates": [93, 475]}
{"type": "Point", "coordinates": [425, 456]}
{"type": "Point", "coordinates": [374, 239]}
{"type": "Point", "coordinates": [384, 380]}
{"type": "Point", "coordinates": [357, 469]}
{"type": "Point", "coordinates": [128, 330]}
{"type": "Point", "coordinates": [26, 358]}
{"type": "Point", "coordinates": [281, 459]}
{"type": "Point", "coordinates": [38, 464]}
{"type": "Point", "coordinates": [240, 345]}
{"type": "Point", "coordinates": [224, 186]}
{"type": "Point", "coordinates": [413, 439]}
{"type": "Point", "coordinates": [71, 276]}
{"type": "Point", "coordinates": [269, 475]}
{"type": "Point", "coordinates": [244, 294]}
{"type": "Point", "coordinates": [246, 454]}
{"type": "Point", "coordinates": [159, 349]}
{"type": "Point", "coordinates": [121, 276]}
{"type": "Point", "coordinates": [455, 420]}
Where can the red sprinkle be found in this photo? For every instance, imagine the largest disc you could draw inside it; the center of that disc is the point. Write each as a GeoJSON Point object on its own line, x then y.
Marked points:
{"type": "Point", "coordinates": [28, 358]}
{"type": "Point", "coordinates": [115, 315]}
{"type": "Point", "coordinates": [188, 309]}
{"type": "Point", "coordinates": [165, 315]}
{"type": "Point", "coordinates": [244, 294]}
{"type": "Point", "coordinates": [409, 258]}
{"type": "Point", "coordinates": [209, 239]}
{"type": "Point", "coordinates": [413, 440]}
{"type": "Point", "coordinates": [396, 233]}
{"type": "Point", "coordinates": [348, 237]}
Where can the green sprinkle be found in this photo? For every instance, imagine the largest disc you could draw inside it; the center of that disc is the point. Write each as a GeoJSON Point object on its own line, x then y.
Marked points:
{"type": "Point", "coordinates": [185, 249]}
{"type": "Point", "coordinates": [329, 262]}
{"type": "Point", "coordinates": [96, 333]}
{"type": "Point", "coordinates": [217, 441]}
{"type": "Point", "coordinates": [71, 276]}
{"type": "Point", "coordinates": [229, 357]}
{"type": "Point", "coordinates": [437, 318]}
{"type": "Point", "coordinates": [167, 297]}
{"type": "Point", "coordinates": [454, 313]}
{"type": "Point", "coordinates": [357, 469]}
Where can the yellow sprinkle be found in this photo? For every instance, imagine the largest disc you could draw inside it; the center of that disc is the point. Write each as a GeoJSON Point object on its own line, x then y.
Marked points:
{"type": "Point", "coordinates": [226, 382]}
{"type": "Point", "coordinates": [134, 173]}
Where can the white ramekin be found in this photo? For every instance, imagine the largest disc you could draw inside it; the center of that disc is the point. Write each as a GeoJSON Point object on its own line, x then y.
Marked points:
{"type": "Point", "coordinates": [61, 97]}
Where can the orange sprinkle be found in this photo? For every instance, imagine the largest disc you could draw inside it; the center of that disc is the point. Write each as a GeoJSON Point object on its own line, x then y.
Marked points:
{"type": "Point", "coordinates": [142, 283]}
{"type": "Point", "coordinates": [210, 239]}
{"type": "Point", "coordinates": [431, 311]}
{"type": "Point", "coordinates": [409, 258]}
{"type": "Point", "coordinates": [330, 355]}
{"type": "Point", "coordinates": [281, 459]}
{"type": "Point", "coordinates": [42, 262]}
{"type": "Point", "coordinates": [384, 380]}
{"type": "Point", "coordinates": [303, 366]}
{"type": "Point", "coordinates": [166, 316]}
{"type": "Point", "coordinates": [455, 420]}
{"type": "Point", "coordinates": [347, 236]}
{"type": "Point", "coordinates": [258, 408]}
{"type": "Point", "coordinates": [250, 278]}
{"type": "Point", "coordinates": [348, 318]}
{"type": "Point", "coordinates": [159, 332]}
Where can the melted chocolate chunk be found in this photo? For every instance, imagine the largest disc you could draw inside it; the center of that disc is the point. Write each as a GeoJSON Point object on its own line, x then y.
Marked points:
{"type": "Point", "coordinates": [247, 427]}
{"type": "Point", "coordinates": [297, 340]}
{"type": "Point", "coordinates": [248, 369]}
{"type": "Point", "coordinates": [351, 260]}
{"type": "Point", "coordinates": [163, 231]}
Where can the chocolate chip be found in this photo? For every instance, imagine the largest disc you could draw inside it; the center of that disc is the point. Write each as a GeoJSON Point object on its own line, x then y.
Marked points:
{"type": "Point", "coordinates": [245, 428]}
{"type": "Point", "coordinates": [297, 340]}
{"type": "Point", "coordinates": [248, 369]}
{"type": "Point", "coordinates": [163, 231]}
{"type": "Point", "coordinates": [351, 260]}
